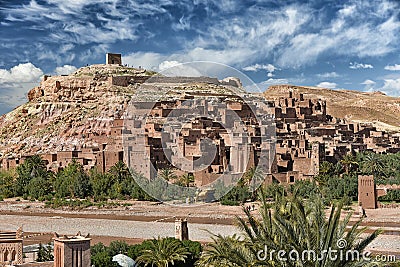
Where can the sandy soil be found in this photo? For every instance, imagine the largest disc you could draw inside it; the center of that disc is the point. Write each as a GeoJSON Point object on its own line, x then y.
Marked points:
{"type": "Point", "coordinates": [144, 220]}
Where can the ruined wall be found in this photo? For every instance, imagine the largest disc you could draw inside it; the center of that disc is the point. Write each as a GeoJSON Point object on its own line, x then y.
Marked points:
{"type": "Point", "coordinates": [113, 58]}
{"type": "Point", "coordinates": [159, 79]}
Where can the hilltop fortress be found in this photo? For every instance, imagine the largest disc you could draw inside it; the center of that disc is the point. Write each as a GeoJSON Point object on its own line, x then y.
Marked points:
{"type": "Point", "coordinates": [83, 117]}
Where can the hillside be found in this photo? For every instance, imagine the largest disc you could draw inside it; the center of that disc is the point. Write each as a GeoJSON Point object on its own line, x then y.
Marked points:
{"type": "Point", "coordinates": [64, 110]}
{"type": "Point", "coordinates": [375, 107]}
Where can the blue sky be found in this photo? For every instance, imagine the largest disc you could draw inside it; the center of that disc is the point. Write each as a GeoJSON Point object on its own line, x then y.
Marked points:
{"type": "Point", "coordinates": [333, 44]}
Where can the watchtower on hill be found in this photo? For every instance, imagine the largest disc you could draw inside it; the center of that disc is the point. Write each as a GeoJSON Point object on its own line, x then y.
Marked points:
{"type": "Point", "coordinates": [113, 59]}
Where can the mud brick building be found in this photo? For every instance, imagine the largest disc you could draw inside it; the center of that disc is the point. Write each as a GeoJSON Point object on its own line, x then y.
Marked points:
{"type": "Point", "coordinates": [72, 251]}
{"type": "Point", "coordinates": [304, 136]}
{"type": "Point", "coordinates": [11, 244]}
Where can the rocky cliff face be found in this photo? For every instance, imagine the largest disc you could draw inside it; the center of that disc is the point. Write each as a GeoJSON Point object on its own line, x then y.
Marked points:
{"type": "Point", "coordinates": [376, 107]}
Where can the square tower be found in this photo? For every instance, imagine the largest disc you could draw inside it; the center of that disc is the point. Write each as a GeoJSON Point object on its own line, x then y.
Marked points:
{"type": "Point", "coordinates": [367, 192]}
{"type": "Point", "coordinates": [113, 59]}
{"type": "Point", "coordinates": [72, 251]}
{"type": "Point", "coordinates": [181, 230]}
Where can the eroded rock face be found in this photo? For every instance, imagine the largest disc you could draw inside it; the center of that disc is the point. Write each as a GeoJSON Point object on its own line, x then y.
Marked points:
{"type": "Point", "coordinates": [35, 93]}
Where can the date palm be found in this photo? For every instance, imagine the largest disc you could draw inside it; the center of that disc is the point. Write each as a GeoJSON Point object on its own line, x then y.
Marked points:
{"type": "Point", "coordinates": [349, 163]}
{"type": "Point", "coordinates": [291, 224]}
{"type": "Point", "coordinates": [119, 171]}
{"type": "Point", "coordinates": [186, 179]}
{"type": "Point", "coordinates": [167, 174]}
{"type": "Point", "coordinates": [373, 164]}
{"type": "Point", "coordinates": [163, 252]}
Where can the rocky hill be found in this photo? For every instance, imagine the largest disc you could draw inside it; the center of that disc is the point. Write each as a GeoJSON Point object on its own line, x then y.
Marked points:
{"type": "Point", "coordinates": [63, 110]}
{"type": "Point", "coordinates": [375, 107]}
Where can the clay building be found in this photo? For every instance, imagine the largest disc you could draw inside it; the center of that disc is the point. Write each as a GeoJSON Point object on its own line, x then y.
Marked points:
{"type": "Point", "coordinates": [72, 251]}
{"type": "Point", "coordinates": [304, 134]}
{"type": "Point", "coordinates": [11, 244]}
{"type": "Point", "coordinates": [197, 144]}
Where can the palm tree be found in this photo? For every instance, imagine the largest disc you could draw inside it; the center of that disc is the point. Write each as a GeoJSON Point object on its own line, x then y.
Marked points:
{"type": "Point", "coordinates": [373, 164]}
{"type": "Point", "coordinates": [325, 168]}
{"type": "Point", "coordinates": [349, 162]}
{"type": "Point", "coordinates": [186, 179]}
{"type": "Point", "coordinates": [162, 252]}
{"type": "Point", "coordinates": [119, 171]}
{"type": "Point", "coordinates": [292, 224]}
{"type": "Point", "coordinates": [168, 174]}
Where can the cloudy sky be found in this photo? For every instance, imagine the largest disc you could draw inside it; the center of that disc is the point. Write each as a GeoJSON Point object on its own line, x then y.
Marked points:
{"type": "Point", "coordinates": [326, 43]}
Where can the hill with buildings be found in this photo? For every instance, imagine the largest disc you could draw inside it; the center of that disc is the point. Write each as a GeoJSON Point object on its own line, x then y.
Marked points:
{"type": "Point", "coordinates": [83, 111]}
{"type": "Point", "coordinates": [85, 116]}
{"type": "Point", "coordinates": [365, 107]}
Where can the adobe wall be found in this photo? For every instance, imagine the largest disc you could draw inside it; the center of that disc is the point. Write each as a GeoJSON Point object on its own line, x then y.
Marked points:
{"type": "Point", "coordinates": [160, 79]}
{"type": "Point", "coordinates": [367, 197]}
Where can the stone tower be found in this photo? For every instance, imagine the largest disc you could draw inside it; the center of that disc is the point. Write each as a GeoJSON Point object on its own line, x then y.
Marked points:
{"type": "Point", "coordinates": [367, 192]}
{"type": "Point", "coordinates": [113, 59]}
{"type": "Point", "coordinates": [72, 251]}
{"type": "Point", "coordinates": [181, 230]}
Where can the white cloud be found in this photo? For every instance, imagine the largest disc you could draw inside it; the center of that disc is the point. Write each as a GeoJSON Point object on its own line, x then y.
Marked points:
{"type": "Point", "coordinates": [148, 60]}
{"type": "Point", "coordinates": [68, 20]}
{"type": "Point", "coordinates": [175, 68]}
{"type": "Point", "coordinates": [65, 70]}
{"type": "Point", "coordinates": [16, 82]}
{"type": "Point", "coordinates": [23, 73]}
{"type": "Point", "coordinates": [394, 67]}
{"type": "Point", "coordinates": [268, 67]}
{"type": "Point", "coordinates": [391, 87]}
{"type": "Point", "coordinates": [168, 64]}
{"type": "Point", "coordinates": [369, 85]}
{"type": "Point", "coordinates": [329, 85]}
{"type": "Point", "coordinates": [356, 66]}
{"type": "Point", "coordinates": [368, 82]}
{"type": "Point", "coordinates": [328, 75]}
{"type": "Point", "coordinates": [350, 33]}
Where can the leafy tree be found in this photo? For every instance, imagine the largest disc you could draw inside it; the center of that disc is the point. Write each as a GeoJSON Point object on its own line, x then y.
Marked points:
{"type": "Point", "coordinates": [236, 196]}
{"type": "Point", "coordinates": [33, 170]}
{"type": "Point", "coordinates": [341, 187]}
{"type": "Point", "coordinates": [7, 179]}
{"type": "Point", "coordinates": [392, 195]}
{"type": "Point", "coordinates": [101, 256]}
{"type": "Point", "coordinates": [45, 253]}
{"type": "Point", "coordinates": [195, 249]}
{"type": "Point", "coordinates": [118, 247]}
{"type": "Point", "coordinates": [101, 184]}
{"type": "Point", "coordinates": [163, 252]}
{"type": "Point", "coordinates": [291, 224]}
{"type": "Point", "coordinates": [39, 187]}
{"type": "Point", "coordinates": [73, 181]}
{"type": "Point", "coordinates": [304, 189]}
